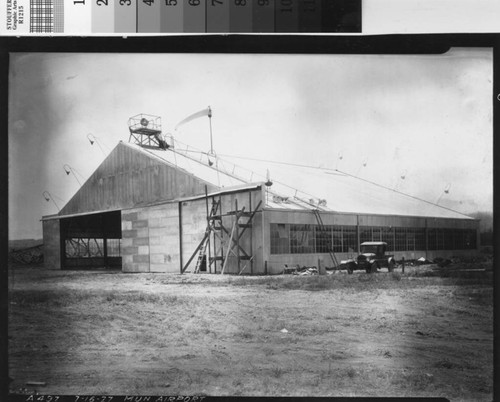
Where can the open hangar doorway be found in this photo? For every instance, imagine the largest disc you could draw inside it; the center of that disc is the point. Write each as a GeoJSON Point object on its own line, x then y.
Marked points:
{"type": "Point", "coordinates": [91, 241]}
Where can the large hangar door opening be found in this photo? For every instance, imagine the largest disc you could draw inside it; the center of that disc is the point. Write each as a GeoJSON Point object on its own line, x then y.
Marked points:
{"type": "Point", "coordinates": [91, 241]}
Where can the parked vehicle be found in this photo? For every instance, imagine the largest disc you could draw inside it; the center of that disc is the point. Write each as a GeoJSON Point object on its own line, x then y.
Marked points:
{"type": "Point", "coordinates": [372, 257]}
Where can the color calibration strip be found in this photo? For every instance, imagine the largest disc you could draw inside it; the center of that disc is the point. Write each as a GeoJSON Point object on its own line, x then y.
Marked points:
{"type": "Point", "coordinates": [180, 16]}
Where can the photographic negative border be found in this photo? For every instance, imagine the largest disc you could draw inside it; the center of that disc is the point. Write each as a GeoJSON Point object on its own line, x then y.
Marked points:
{"type": "Point", "coordinates": [247, 44]}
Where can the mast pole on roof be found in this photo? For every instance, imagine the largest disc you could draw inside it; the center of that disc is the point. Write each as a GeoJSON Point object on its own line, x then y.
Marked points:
{"type": "Point", "coordinates": [210, 123]}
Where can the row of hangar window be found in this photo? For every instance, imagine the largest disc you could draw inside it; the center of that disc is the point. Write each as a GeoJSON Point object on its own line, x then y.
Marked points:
{"type": "Point", "coordinates": [305, 239]}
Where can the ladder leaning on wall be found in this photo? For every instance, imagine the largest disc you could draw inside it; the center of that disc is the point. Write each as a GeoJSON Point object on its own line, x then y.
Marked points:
{"type": "Point", "coordinates": [330, 248]}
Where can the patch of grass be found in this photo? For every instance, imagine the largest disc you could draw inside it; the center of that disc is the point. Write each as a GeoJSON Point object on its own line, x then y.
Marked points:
{"type": "Point", "coordinates": [244, 334]}
{"type": "Point", "coordinates": [461, 274]}
{"type": "Point", "coordinates": [436, 312]}
{"type": "Point", "coordinates": [277, 371]}
{"type": "Point", "coordinates": [396, 276]}
{"type": "Point", "coordinates": [66, 297]}
{"type": "Point", "coordinates": [446, 364]}
{"type": "Point", "coordinates": [360, 281]}
{"type": "Point", "coordinates": [419, 381]}
{"type": "Point", "coordinates": [30, 298]}
{"type": "Point", "coordinates": [475, 293]}
{"type": "Point", "coordinates": [332, 357]}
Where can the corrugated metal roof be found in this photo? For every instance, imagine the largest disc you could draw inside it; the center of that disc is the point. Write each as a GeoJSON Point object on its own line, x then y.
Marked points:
{"type": "Point", "coordinates": [197, 166]}
{"type": "Point", "coordinates": [222, 174]}
{"type": "Point", "coordinates": [342, 193]}
{"type": "Point", "coordinates": [345, 194]}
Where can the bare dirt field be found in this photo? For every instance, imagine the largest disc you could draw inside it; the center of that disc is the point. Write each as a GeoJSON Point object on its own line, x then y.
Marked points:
{"type": "Point", "coordinates": [426, 332]}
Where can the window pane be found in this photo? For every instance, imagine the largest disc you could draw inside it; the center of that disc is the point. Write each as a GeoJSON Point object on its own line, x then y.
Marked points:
{"type": "Point", "coordinates": [432, 239]}
{"type": "Point", "coordinates": [388, 237]}
{"type": "Point", "coordinates": [400, 239]}
{"type": "Point", "coordinates": [337, 239]}
{"type": "Point", "coordinates": [448, 239]}
{"type": "Point", "coordinates": [410, 239]}
{"type": "Point", "coordinates": [350, 239]}
{"type": "Point", "coordinates": [323, 239]}
{"type": "Point", "coordinates": [420, 239]}
{"type": "Point", "coordinates": [114, 247]}
{"type": "Point", "coordinates": [301, 239]}
{"type": "Point", "coordinates": [377, 234]}
{"type": "Point", "coordinates": [470, 239]}
{"type": "Point", "coordinates": [280, 239]}
{"type": "Point", "coordinates": [439, 239]}
{"type": "Point", "coordinates": [84, 247]}
{"type": "Point", "coordinates": [365, 234]}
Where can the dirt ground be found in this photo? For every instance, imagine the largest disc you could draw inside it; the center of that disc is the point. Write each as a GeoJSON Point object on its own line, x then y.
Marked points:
{"type": "Point", "coordinates": [99, 332]}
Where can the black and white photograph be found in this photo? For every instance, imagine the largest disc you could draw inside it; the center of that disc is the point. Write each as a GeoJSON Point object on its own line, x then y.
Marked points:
{"type": "Point", "coordinates": [251, 224]}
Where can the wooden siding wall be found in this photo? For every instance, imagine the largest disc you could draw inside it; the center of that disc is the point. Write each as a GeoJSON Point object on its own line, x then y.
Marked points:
{"type": "Point", "coordinates": [51, 244]}
{"type": "Point", "coordinates": [129, 178]}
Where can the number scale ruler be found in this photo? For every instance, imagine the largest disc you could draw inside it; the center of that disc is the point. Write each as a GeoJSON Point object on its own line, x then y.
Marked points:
{"type": "Point", "coordinates": [83, 17]}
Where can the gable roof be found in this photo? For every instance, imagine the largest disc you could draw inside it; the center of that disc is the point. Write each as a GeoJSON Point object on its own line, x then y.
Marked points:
{"type": "Point", "coordinates": [129, 177]}
{"type": "Point", "coordinates": [133, 176]}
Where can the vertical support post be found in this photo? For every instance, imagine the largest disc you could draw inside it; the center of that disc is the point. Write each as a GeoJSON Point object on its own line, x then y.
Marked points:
{"type": "Point", "coordinates": [394, 238]}
{"type": "Point", "coordinates": [105, 251]}
{"type": "Point", "coordinates": [221, 237]}
{"type": "Point", "coordinates": [251, 232]}
{"type": "Point", "coordinates": [208, 260]}
{"type": "Point", "coordinates": [403, 263]}
{"type": "Point", "coordinates": [87, 248]}
{"type": "Point", "coordinates": [229, 248]}
{"type": "Point", "coordinates": [214, 243]}
{"type": "Point", "coordinates": [358, 235]}
{"type": "Point", "coordinates": [237, 223]}
{"type": "Point", "coordinates": [210, 123]}
{"type": "Point", "coordinates": [62, 243]}
{"type": "Point", "coordinates": [426, 239]}
{"type": "Point", "coordinates": [264, 248]}
{"type": "Point", "coordinates": [265, 267]}
{"type": "Point", "coordinates": [180, 237]}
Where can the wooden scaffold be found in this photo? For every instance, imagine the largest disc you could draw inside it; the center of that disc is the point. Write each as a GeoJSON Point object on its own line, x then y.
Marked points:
{"type": "Point", "coordinates": [220, 240]}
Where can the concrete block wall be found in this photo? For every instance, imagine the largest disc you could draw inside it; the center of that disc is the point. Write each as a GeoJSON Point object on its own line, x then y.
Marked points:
{"type": "Point", "coordinates": [150, 239]}
{"type": "Point", "coordinates": [51, 244]}
{"type": "Point", "coordinates": [164, 238]}
{"type": "Point", "coordinates": [151, 235]}
{"type": "Point", "coordinates": [194, 224]}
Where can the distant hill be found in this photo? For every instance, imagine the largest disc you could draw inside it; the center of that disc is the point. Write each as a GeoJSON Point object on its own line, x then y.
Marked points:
{"type": "Point", "coordinates": [24, 243]}
{"type": "Point", "coordinates": [486, 217]}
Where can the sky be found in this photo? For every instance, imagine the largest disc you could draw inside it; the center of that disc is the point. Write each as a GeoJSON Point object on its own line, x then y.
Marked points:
{"type": "Point", "coordinates": [380, 117]}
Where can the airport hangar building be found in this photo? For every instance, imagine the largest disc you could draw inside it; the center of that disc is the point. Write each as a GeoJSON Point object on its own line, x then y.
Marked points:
{"type": "Point", "coordinates": [150, 207]}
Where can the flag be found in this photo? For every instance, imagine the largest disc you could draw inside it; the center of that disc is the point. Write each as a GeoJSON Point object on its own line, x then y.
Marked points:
{"type": "Point", "coordinates": [201, 113]}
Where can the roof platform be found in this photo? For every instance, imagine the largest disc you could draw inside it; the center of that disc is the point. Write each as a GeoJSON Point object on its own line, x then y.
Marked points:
{"type": "Point", "coordinates": [145, 130]}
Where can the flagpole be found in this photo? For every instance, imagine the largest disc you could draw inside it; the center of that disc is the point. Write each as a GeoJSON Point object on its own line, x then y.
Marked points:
{"type": "Point", "coordinates": [210, 122]}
